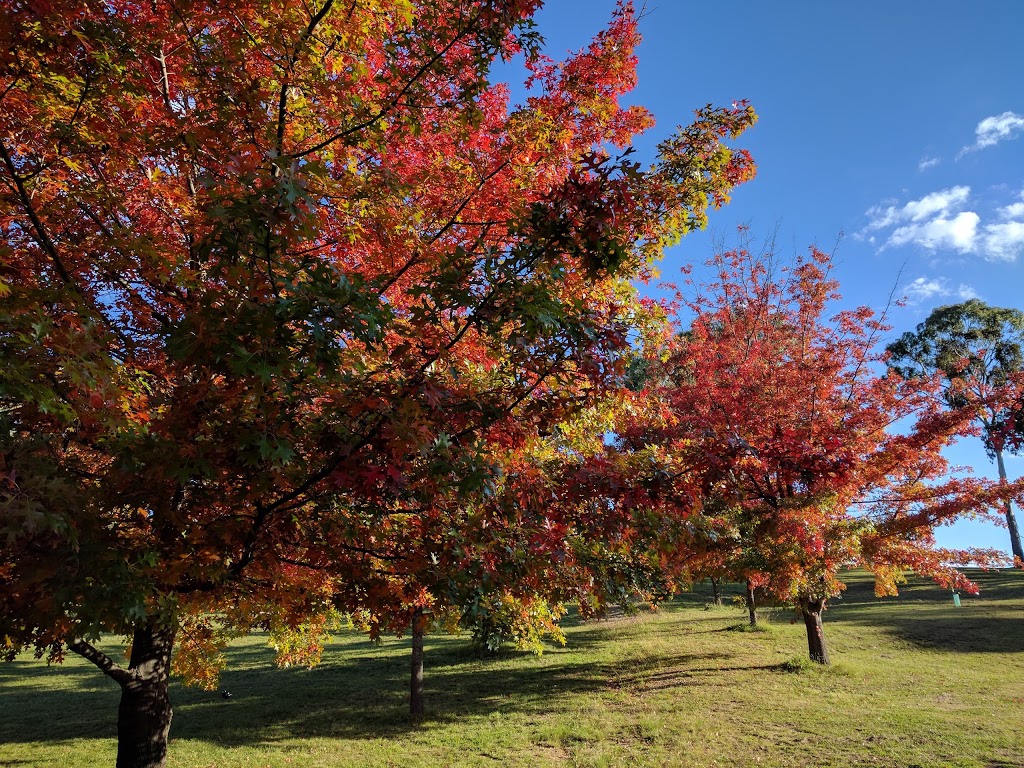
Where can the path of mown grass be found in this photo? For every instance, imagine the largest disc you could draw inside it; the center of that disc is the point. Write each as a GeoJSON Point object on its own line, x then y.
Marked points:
{"type": "Point", "coordinates": [917, 682]}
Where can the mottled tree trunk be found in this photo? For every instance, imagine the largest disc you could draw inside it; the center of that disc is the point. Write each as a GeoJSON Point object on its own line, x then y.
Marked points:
{"type": "Point", "coordinates": [811, 610]}
{"type": "Point", "coordinates": [751, 605]}
{"type": "Point", "coordinates": [144, 714]}
{"type": "Point", "coordinates": [1011, 520]}
{"type": "Point", "coordinates": [716, 592]}
{"type": "Point", "coordinates": [416, 679]}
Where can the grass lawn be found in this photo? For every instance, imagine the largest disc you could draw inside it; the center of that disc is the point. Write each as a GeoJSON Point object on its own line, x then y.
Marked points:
{"type": "Point", "coordinates": [917, 682]}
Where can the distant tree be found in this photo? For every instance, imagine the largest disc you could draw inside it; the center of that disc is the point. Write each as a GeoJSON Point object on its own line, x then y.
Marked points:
{"type": "Point", "coordinates": [775, 442]}
{"type": "Point", "coordinates": [979, 350]}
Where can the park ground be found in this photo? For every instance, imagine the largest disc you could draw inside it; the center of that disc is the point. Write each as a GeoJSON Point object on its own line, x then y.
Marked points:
{"type": "Point", "coordinates": [917, 681]}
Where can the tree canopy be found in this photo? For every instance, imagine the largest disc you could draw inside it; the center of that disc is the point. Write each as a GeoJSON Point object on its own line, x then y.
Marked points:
{"type": "Point", "coordinates": [283, 288]}
{"type": "Point", "coordinates": [785, 451]}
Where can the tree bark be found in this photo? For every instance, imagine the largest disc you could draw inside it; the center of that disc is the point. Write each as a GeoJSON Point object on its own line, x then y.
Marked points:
{"type": "Point", "coordinates": [144, 714]}
{"type": "Point", "coordinates": [1011, 520]}
{"type": "Point", "coordinates": [716, 592]}
{"type": "Point", "coordinates": [416, 678]}
{"type": "Point", "coordinates": [751, 605]}
{"type": "Point", "coordinates": [811, 610]}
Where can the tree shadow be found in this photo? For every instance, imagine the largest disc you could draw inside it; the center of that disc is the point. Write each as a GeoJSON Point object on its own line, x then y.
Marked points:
{"type": "Point", "coordinates": [357, 693]}
{"type": "Point", "coordinates": [64, 698]}
{"type": "Point", "coordinates": [925, 615]}
{"type": "Point", "coordinates": [960, 634]}
{"type": "Point", "coordinates": [697, 676]}
{"type": "Point", "coordinates": [361, 692]}
{"type": "Point", "coordinates": [366, 698]}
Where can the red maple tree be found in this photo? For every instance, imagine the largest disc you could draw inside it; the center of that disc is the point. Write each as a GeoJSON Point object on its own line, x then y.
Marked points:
{"type": "Point", "coordinates": [787, 451]}
{"type": "Point", "coordinates": [280, 285]}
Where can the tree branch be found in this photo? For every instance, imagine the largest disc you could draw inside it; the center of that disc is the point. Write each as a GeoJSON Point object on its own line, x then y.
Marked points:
{"type": "Point", "coordinates": [42, 236]}
{"type": "Point", "coordinates": [390, 105]}
{"type": "Point", "coordinates": [106, 664]}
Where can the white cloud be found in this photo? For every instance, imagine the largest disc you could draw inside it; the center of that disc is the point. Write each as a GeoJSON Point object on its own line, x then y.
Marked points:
{"type": "Point", "coordinates": [992, 130]}
{"type": "Point", "coordinates": [1012, 211]}
{"type": "Point", "coordinates": [925, 289]}
{"type": "Point", "coordinates": [959, 232]}
{"type": "Point", "coordinates": [940, 221]}
{"type": "Point", "coordinates": [917, 210]}
{"type": "Point", "coordinates": [936, 202]}
{"type": "Point", "coordinates": [1003, 242]}
{"type": "Point", "coordinates": [965, 292]}
{"type": "Point", "coordinates": [928, 162]}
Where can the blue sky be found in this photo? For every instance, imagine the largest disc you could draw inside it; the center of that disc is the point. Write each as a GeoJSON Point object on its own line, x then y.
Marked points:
{"type": "Point", "coordinates": [895, 129]}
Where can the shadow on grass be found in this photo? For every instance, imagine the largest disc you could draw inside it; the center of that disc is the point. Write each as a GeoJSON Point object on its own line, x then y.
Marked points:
{"type": "Point", "coordinates": [960, 633]}
{"type": "Point", "coordinates": [357, 693]}
{"type": "Point", "coordinates": [361, 692]}
{"type": "Point", "coordinates": [924, 614]}
{"type": "Point", "coordinates": [65, 700]}
{"type": "Point", "coordinates": [457, 690]}
{"type": "Point", "coordinates": [698, 676]}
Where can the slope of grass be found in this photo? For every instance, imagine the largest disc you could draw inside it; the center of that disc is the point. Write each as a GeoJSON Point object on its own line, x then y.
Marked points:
{"type": "Point", "coordinates": [917, 682]}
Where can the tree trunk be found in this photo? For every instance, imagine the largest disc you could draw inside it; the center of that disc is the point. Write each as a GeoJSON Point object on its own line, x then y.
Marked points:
{"type": "Point", "coordinates": [144, 714]}
{"type": "Point", "coordinates": [751, 605]}
{"type": "Point", "coordinates": [811, 610]}
{"type": "Point", "coordinates": [1011, 520]}
{"type": "Point", "coordinates": [716, 592]}
{"type": "Point", "coordinates": [416, 679]}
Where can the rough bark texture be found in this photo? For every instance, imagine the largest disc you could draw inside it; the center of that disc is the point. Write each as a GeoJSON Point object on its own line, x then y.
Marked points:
{"type": "Point", "coordinates": [811, 610]}
{"type": "Point", "coordinates": [716, 591]}
{"type": "Point", "coordinates": [1011, 520]}
{"type": "Point", "coordinates": [751, 605]}
{"type": "Point", "coordinates": [144, 714]}
{"type": "Point", "coordinates": [416, 679]}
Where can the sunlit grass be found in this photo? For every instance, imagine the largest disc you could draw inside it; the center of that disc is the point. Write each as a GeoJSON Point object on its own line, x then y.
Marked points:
{"type": "Point", "coordinates": [916, 681]}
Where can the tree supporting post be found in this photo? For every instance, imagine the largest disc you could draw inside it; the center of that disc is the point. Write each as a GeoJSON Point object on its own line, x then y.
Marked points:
{"type": "Point", "coordinates": [416, 678]}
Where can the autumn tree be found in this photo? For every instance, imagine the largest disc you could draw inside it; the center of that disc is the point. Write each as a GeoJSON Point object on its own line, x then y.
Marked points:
{"type": "Point", "coordinates": [279, 284]}
{"type": "Point", "coordinates": [782, 442]}
{"type": "Point", "coordinates": [978, 350]}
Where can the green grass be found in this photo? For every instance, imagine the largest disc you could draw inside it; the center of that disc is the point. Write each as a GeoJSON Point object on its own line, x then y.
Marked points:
{"type": "Point", "coordinates": [917, 682]}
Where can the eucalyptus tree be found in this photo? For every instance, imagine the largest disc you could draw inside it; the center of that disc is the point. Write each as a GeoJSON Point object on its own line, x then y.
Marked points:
{"type": "Point", "coordinates": [979, 350]}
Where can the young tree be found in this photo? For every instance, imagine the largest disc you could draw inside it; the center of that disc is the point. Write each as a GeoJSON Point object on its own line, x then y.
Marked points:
{"type": "Point", "coordinates": [779, 441]}
{"type": "Point", "coordinates": [279, 282]}
{"type": "Point", "coordinates": [978, 350]}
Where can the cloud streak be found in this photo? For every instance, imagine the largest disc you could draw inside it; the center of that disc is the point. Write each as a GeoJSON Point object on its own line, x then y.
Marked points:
{"type": "Point", "coordinates": [992, 130]}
